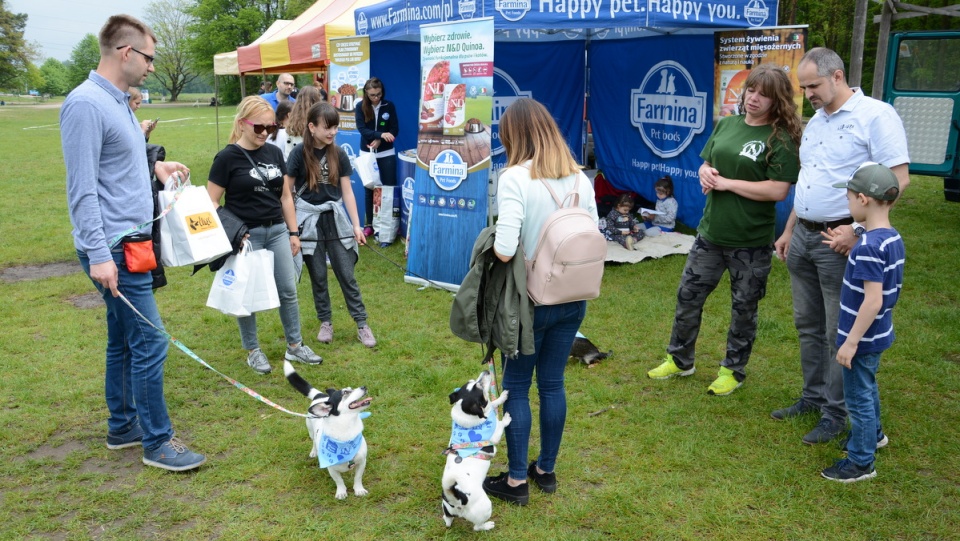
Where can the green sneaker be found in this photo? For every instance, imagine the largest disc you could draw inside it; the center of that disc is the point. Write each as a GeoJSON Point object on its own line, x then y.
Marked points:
{"type": "Point", "coordinates": [725, 383]}
{"type": "Point", "coordinates": [669, 369]}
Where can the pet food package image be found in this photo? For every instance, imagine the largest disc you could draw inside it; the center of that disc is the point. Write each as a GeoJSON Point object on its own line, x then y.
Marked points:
{"type": "Point", "coordinates": [455, 100]}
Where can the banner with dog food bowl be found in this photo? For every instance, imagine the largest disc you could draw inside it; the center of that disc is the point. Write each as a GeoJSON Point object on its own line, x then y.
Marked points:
{"type": "Point", "coordinates": [453, 150]}
{"type": "Point", "coordinates": [349, 70]}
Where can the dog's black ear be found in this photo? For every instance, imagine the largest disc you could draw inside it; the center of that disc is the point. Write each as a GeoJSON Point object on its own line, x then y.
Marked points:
{"type": "Point", "coordinates": [474, 405]}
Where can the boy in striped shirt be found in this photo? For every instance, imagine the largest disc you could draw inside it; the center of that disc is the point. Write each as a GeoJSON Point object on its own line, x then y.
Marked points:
{"type": "Point", "coordinates": [871, 285]}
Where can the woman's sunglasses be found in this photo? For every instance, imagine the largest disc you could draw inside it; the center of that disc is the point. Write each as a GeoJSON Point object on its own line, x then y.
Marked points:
{"type": "Point", "coordinates": [259, 128]}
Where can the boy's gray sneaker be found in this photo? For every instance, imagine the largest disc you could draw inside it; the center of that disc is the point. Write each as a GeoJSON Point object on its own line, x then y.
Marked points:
{"type": "Point", "coordinates": [800, 407]}
{"type": "Point", "coordinates": [366, 336]}
{"type": "Point", "coordinates": [825, 431]}
{"type": "Point", "coordinates": [133, 436]}
{"type": "Point", "coordinates": [173, 456]}
{"type": "Point", "coordinates": [258, 361]}
{"type": "Point", "coordinates": [302, 354]}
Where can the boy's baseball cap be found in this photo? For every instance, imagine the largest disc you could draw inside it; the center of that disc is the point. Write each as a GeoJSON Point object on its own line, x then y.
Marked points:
{"type": "Point", "coordinates": [873, 179]}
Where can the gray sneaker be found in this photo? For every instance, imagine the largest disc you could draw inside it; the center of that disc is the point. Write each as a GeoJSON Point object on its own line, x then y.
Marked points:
{"type": "Point", "coordinates": [258, 361]}
{"type": "Point", "coordinates": [825, 431]}
{"type": "Point", "coordinates": [366, 336]}
{"type": "Point", "coordinates": [173, 456]}
{"type": "Point", "coordinates": [302, 354]}
{"type": "Point", "coordinates": [800, 407]}
{"type": "Point", "coordinates": [326, 332]}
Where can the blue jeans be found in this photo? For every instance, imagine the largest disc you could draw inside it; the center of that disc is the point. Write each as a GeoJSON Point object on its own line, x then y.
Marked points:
{"type": "Point", "coordinates": [863, 403]}
{"type": "Point", "coordinates": [276, 238]}
{"type": "Point", "coordinates": [706, 263]}
{"type": "Point", "coordinates": [136, 353]}
{"type": "Point", "coordinates": [554, 329]}
{"type": "Point", "coordinates": [816, 274]}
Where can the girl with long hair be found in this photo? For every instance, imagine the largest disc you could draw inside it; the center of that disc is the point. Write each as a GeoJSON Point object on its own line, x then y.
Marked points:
{"type": "Point", "coordinates": [536, 149]}
{"type": "Point", "coordinates": [297, 121]}
{"type": "Point", "coordinates": [248, 175]}
{"type": "Point", "coordinates": [319, 172]}
{"type": "Point", "coordinates": [736, 234]}
{"type": "Point", "coordinates": [378, 126]}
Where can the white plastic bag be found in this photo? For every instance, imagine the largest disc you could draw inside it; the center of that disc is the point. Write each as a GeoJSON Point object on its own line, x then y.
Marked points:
{"type": "Point", "coordinates": [191, 233]}
{"type": "Point", "coordinates": [368, 170]}
{"type": "Point", "coordinates": [230, 284]}
{"type": "Point", "coordinates": [261, 293]}
{"type": "Point", "coordinates": [386, 214]}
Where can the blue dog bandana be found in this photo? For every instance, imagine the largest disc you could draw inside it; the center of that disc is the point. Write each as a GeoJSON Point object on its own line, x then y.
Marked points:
{"type": "Point", "coordinates": [331, 452]}
{"type": "Point", "coordinates": [482, 432]}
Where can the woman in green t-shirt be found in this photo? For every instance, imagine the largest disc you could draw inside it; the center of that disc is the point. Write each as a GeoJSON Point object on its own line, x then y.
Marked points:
{"type": "Point", "coordinates": [750, 162]}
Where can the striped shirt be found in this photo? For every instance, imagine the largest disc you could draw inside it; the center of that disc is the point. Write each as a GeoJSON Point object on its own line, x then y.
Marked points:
{"type": "Point", "coordinates": [878, 257]}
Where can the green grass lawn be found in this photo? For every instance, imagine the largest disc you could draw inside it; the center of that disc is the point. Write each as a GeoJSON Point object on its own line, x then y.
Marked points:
{"type": "Point", "coordinates": [663, 461]}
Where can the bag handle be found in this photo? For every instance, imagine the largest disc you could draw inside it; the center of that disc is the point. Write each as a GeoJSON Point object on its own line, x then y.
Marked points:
{"type": "Point", "coordinates": [573, 194]}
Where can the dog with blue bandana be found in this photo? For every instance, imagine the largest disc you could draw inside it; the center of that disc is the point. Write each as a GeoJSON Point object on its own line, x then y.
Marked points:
{"type": "Point", "coordinates": [473, 441]}
{"type": "Point", "coordinates": [335, 424]}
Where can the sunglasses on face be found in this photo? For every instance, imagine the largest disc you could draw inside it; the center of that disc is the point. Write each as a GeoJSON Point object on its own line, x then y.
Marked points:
{"type": "Point", "coordinates": [259, 128]}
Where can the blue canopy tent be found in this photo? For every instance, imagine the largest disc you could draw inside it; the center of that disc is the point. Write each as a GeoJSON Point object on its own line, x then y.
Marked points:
{"type": "Point", "coordinates": [646, 68]}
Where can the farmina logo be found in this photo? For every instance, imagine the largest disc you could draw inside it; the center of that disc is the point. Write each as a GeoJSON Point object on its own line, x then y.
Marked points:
{"type": "Point", "coordinates": [505, 93]}
{"type": "Point", "coordinates": [361, 24]}
{"type": "Point", "coordinates": [448, 170]}
{"type": "Point", "coordinates": [512, 10]}
{"type": "Point", "coordinates": [667, 109]}
{"type": "Point", "coordinates": [756, 12]}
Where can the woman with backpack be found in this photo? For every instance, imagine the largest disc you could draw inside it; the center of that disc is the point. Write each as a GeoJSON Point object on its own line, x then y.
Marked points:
{"type": "Point", "coordinates": [536, 150]}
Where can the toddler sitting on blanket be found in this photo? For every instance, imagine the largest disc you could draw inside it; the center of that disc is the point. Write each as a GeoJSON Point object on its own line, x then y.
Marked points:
{"type": "Point", "coordinates": [665, 218]}
{"type": "Point", "coordinates": [621, 226]}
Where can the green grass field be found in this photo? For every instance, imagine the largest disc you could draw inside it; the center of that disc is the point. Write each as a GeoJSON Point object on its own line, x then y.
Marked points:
{"type": "Point", "coordinates": [662, 461]}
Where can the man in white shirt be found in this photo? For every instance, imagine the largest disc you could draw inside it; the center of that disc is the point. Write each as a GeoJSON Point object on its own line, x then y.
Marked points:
{"type": "Point", "coordinates": [847, 130]}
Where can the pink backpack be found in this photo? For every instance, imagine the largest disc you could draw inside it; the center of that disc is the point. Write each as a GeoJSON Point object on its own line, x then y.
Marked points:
{"type": "Point", "coordinates": [567, 265]}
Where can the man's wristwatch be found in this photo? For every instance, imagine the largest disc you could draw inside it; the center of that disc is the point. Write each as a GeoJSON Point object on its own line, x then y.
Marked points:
{"type": "Point", "coordinates": [858, 229]}
{"type": "Point", "coordinates": [294, 233]}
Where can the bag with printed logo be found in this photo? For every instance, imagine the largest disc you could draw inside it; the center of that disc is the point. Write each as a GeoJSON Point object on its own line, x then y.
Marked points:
{"type": "Point", "coordinates": [229, 288]}
{"type": "Point", "coordinates": [191, 232]}
{"type": "Point", "coordinates": [368, 170]}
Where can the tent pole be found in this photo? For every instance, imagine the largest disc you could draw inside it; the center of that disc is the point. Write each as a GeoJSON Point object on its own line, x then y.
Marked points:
{"type": "Point", "coordinates": [216, 102]}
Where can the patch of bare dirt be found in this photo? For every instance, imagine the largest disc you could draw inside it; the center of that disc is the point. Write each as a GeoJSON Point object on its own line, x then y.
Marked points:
{"type": "Point", "coordinates": [87, 300]}
{"type": "Point", "coordinates": [38, 272]}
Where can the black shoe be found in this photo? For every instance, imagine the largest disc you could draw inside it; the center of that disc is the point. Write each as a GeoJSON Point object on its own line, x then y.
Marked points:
{"type": "Point", "coordinates": [547, 481]}
{"type": "Point", "coordinates": [825, 431]}
{"type": "Point", "coordinates": [800, 407]}
{"type": "Point", "coordinates": [845, 471]}
{"type": "Point", "coordinates": [498, 488]}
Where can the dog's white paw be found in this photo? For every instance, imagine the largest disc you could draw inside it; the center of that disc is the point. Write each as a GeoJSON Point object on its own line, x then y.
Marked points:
{"type": "Point", "coordinates": [341, 494]}
{"type": "Point", "coordinates": [506, 419]}
{"type": "Point", "coordinates": [504, 394]}
{"type": "Point", "coordinates": [360, 491]}
{"type": "Point", "coordinates": [488, 525]}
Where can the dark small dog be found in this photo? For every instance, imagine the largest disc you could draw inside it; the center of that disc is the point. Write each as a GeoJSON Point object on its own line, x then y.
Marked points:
{"type": "Point", "coordinates": [474, 424]}
{"type": "Point", "coordinates": [588, 353]}
{"type": "Point", "coordinates": [336, 430]}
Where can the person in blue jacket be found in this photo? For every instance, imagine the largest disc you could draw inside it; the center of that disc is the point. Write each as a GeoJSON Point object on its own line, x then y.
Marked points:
{"type": "Point", "coordinates": [378, 126]}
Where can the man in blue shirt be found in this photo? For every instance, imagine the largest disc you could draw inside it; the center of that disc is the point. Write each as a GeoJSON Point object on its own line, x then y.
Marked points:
{"type": "Point", "coordinates": [285, 87]}
{"type": "Point", "coordinates": [109, 197]}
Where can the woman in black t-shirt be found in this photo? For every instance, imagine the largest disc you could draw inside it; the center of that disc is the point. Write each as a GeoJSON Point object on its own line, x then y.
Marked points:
{"type": "Point", "coordinates": [327, 215]}
{"type": "Point", "coordinates": [249, 175]}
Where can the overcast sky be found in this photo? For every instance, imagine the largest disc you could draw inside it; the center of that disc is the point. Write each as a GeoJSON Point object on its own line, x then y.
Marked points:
{"type": "Point", "coordinates": [59, 25]}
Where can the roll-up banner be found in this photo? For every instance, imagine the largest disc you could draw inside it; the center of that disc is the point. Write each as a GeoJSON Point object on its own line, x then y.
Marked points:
{"type": "Point", "coordinates": [453, 150]}
{"type": "Point", "coordinates": [349, 70]}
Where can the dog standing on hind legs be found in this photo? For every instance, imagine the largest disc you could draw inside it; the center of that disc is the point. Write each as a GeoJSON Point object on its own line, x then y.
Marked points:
{"type": "Point", "coordinates": [473, 441]}
{"type": "Point", "coordinates": [336, 430]}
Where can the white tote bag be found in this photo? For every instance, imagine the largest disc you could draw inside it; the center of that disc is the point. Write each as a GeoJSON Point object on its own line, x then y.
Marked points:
{"type": "Point", "coordinates": [368, 170]}
{"type": "Point", "coordinates": [386, 216]}
{"type": "Point", "coordinates": [230, 284]}
{"type": "Point", "coordinates": [261, 293]}
{"type": "Point", "coordinates": [191, 233]}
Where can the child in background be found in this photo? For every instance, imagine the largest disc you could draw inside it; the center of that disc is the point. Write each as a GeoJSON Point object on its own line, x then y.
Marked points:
{"type": "Point", "coordinates": [871, 285]}
{"type": "Point", "coordinates": [136, 98]}
{"type": "Point", "coordinates": [279, 137]}
{"type": "Point", "coordinates": [622, 226]}
{"type": "Point", "coordinates": [666, 219]}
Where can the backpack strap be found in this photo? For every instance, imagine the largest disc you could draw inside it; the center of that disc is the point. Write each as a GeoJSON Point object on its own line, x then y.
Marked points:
{"type": "Point", "coordinates": [573, 195]}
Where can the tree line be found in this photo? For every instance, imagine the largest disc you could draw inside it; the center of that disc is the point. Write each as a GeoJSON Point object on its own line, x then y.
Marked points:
{"type": "Point", "coordinates": [190, 32]}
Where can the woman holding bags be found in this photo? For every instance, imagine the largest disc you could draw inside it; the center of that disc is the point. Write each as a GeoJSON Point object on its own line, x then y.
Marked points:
{"type": "Point", "coordinates": [319, 170]}
{"type": "Point", "coordinates": [249, 175]}
{"type": "Point", "coordinates": [378, 127]}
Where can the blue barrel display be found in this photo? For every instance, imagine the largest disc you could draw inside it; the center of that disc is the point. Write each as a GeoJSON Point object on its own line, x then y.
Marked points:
{"type": "Point", "coordinates": [406, 173]}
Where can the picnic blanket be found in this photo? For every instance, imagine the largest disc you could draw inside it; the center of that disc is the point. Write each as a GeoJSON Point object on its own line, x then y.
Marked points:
{"type": "Point", "coordinates": [650, 247]}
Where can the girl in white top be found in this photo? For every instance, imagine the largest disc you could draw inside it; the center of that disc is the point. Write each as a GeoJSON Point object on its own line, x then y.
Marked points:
{"type": "Point", "coordinates": [535, 149]}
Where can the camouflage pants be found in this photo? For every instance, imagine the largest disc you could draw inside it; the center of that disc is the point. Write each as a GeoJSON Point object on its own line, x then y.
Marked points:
{"type": "Point", "coordinates": [706, 263]}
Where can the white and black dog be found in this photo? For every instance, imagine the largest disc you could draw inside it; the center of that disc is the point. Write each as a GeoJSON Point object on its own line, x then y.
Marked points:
{"type": "Point", "coordinates": [336, 430]}
{"type": "Point", "coordinates": [473, 439]}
